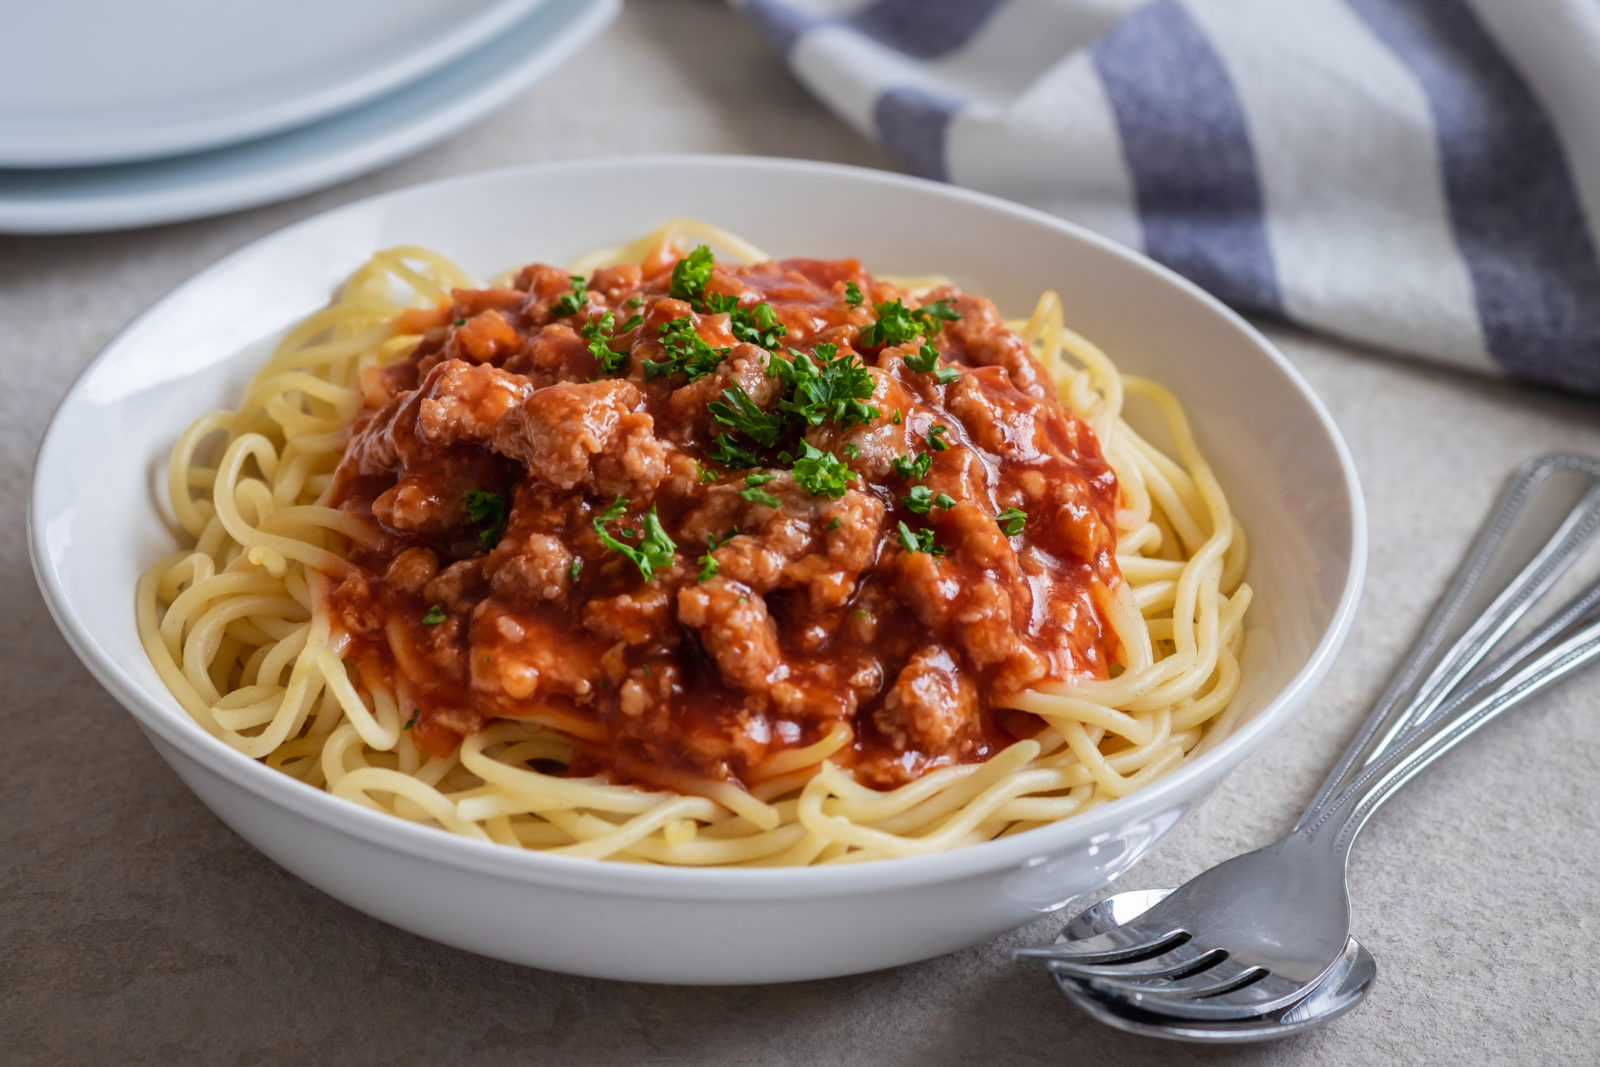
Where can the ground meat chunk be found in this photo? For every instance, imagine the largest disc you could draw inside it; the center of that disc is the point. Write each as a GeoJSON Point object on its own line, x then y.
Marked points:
{"type": "Point", "coordinates": [586, 434]}
{"type": "Point", "coordinates": [540, 571]}
{"type": "Point", "coordinates": [736, 630]}
{"type": "Point", "coordinates": [462, 402]}
{"type": "Point", "coordinates": [931, 707]}
{"type": "Point", "coordinates": [636, 618]}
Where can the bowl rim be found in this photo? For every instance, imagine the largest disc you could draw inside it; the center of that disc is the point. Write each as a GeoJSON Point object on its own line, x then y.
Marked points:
{"type": "Point", "coordinates": [175, 727]}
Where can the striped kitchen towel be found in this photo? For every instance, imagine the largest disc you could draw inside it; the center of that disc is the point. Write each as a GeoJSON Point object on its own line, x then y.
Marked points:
{"type": "Point", "coordinates": [1418, 175]}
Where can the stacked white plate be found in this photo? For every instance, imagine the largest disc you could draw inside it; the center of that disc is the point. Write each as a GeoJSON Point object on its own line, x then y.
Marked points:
{"type": "Point", "coordinates": [115, 115]}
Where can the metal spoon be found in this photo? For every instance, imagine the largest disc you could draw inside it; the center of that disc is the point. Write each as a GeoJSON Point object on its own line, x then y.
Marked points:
{"type": "Point", "coordinates": [1337, 992]}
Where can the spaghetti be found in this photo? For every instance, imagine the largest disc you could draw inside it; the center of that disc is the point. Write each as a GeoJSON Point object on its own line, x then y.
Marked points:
{"type": "Point", "coordinates": [278, 632]}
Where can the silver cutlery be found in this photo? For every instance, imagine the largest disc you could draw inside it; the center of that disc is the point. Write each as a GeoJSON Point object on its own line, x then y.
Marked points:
{"type": "Point", "coordinates": [1259, 934]}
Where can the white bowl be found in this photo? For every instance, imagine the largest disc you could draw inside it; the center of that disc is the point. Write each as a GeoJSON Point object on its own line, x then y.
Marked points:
{"type": "Point", "coordinates": [94, 527]}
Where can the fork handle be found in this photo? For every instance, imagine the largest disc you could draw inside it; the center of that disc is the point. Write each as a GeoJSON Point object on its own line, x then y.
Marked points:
{"type": "Point", "coordinates": [1457, 720]}
{"type": "Point", "coordinates": [1415, 691]}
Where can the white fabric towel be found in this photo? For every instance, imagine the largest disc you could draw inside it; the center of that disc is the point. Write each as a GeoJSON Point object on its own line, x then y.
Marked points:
{"type": "Point", "coordinates": [1418, 175]}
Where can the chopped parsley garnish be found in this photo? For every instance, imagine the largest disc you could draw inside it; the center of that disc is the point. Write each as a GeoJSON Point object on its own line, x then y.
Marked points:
{"type": "Point", "coordinates": [575, 568]}
{"type": "Point", "coordinates": [850, 450]}
{"type": "Point", "coordinates": [690, 274]}
{"type": "Point", "coordinates": [898, 324]}
{"type": "Point", "coordinates": [706, 474]}
{"type": "Point", "coordinates": [833, 523]}
{"type": "Point", "coordinates": [946, 375]}
{"type": "Point", "coordinates": [570, 303]}
{"type": "Point", "coordinates": [736, 409]}
{"type": "Point", "coordinates": [760, 496]}
{"type": "Point", "coordinates": [708, 568]}
{"type": "Point", "coordinates": [434, 616]}
{"type": "Point", "coordinates": [654, 550]}
{"type": "Point", "coordinates": [757, 325]}
{"type": "Point", "coordinates": [708, 562]}
{"type": "Point", "coordinates": [415, 714]}
{"type": "Point", "coordinates": [598, 333]}
{"type": "Point", "coordinates": [912, 468]}
{"type": "Point", "coordinates": [822, 385]}
{"type": "Point", "coordinates": [634, 301]}
{"type": "Point", "coordinates": [459, 322]}
{"type": "Point", "coordinates": [685, 350]}
{"type": "Point", "coordinates": [919, 540]}
{"type": "Point", "coordinates": [897, 419]}
{"type": "Point", "coordinates": [728, 452]}
{"type": "Point", "coordinates": [936, 439]}
{"type": "Point", "coordinates": [852, 294]}
{"type": "Point", "coordinates": [757, 479]}
{"type": "Point", "coordinates": [931, 315]}
{"type": "Point", "coordinates": [486, 507]}
{"type": "Point", "coordinates": [1011, 521]}
{"type": "Point", "coordinates": [921, 500]}
{"type": "Point", "coordinates": [895, 326]}
{"type": "Point", "coordinates": [860, 612]}
{"type": "Point", "coordinates": [821, 473]}
{"type": "Point", "coordinates": [924, 360]}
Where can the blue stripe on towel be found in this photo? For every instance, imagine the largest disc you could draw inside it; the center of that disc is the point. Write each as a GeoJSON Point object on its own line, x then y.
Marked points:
{"type": "Point", "coordinates": [782, 24]}
{"type": "Point", "coordinates": [924, 29]}
{"type": "Point", "coordinates": [1517, 217]}
{"type": "Point", "coordinates": [1188, 148]}
{"type": "Point", "coordinates": [912, 124]}
{"type": "Point", "coordinates": [921, 29]}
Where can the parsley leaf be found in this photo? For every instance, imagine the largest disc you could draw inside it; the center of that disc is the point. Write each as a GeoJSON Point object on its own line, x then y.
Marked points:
{"type": "Point", "coordinates": [486, 507]}
{"type": "Point", "coordinates": [919, 540]}
{"type": "Point", "coordinates": [686, 351]}
{"type": "Point", "coordinates": [758, 479]}
{"type": "Point", "coordinates": [728, 452]}
{"type": "Point", "coordinates": [936, 439]}
{"type": "Point", "coordinates": [946, 375]}
{"type": "Point", "coordinates": [912, 468]}
{"type": "Point", "coordinates": [459, 322]}
{"type": "Point", "coordinates": [690, 274]}
{"type": "Point", "coordinates": [708, 568]}
{"type": "Point", "coordinates": [716, 303]}
{"type": "Point", "coordinates": [1011, 521]}
{"type": "Point", "coordinates": [655, 548]}
{"type": "Point", "coordinates": [706, 474]}
{"type": "Point", "coordinates": [570, 303]}
{"type": "Point", "coordinates": [898, 324]}
{"type": "Point", "coordinates": [821, 473]}
{"type": "Point", "coordinates": [434, 616]}
{"type": "Point", "coordinates": [925, 359]}
{"type": "Point", "coordinates": [760, 496]}
{"type": "Point", "coordinates": [919, 500]}
{"type": "Point", "coordinates": [575, 568]}
{"type": "Point", "coordinates": [945, 500]}
{"type": "Point", "coordinates": [757, 325]}
{"type": "Point", "coordinates": [708, 562]}
{"type": "Point", "coordinates": [852, 294]}
{"type": "Point", "coordinates": [931, 315]}
{"type": "Point", "coordinates": [415, 713]}
{"type": "Point", "coordinates": [823, 385]}
{"type": "Point", "coordinates": [895, 326]}
{"type": "Point", "coordinates": [833, 523]}
{"type": "Point", "coordinates": [736, 409]}
{"type": "Point", "coordinates": [598, 333]}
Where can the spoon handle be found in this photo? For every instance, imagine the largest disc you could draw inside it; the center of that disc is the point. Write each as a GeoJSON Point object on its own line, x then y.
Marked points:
{"type": "Point", "coordinates": [1430, 673]}
{"type": "Point", "coordinates": [1455, 721]}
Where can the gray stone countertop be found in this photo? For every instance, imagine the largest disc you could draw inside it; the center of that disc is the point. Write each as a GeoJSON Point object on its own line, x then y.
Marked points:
{"type": "Point", "coordinates": [135, 927]}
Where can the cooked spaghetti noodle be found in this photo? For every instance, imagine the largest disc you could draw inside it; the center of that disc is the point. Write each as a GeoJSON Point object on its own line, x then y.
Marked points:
{"type": "Point", "coordinates": [250, 626]}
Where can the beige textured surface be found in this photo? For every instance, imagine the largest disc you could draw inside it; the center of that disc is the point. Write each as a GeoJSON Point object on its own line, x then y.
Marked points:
{"type": "Point", "coordinates": [135, 928]}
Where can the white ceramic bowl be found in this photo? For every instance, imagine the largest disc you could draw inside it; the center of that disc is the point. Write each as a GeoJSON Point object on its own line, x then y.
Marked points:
{"type": "Point", "coordinates": [94, 526]}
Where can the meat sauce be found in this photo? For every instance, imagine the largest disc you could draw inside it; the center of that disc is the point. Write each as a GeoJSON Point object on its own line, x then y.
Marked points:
{"type": "Point", "coordinates": [487, 456]}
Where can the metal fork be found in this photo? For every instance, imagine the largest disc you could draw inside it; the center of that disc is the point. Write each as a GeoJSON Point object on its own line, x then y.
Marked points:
{"type": "Point", "coordinates": [1251, 935]}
